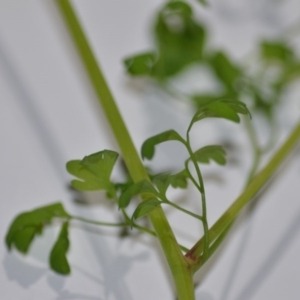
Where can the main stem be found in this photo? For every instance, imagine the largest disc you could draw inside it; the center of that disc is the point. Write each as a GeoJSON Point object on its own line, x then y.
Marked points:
{"type": "Point", "coordinates": [179, 267]}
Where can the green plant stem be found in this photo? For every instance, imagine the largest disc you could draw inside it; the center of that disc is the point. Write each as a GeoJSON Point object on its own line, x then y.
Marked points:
{"type": "Point", "coordinates": [178, 264]}
{"type": "Point", "coordinates": [98, 223]}
{"type": "Point", "coordinates": [200, 186]}
{"type": "Point", "coordinates": [257, 183]}
{"type": "Point", "coordinates": [184, 210]}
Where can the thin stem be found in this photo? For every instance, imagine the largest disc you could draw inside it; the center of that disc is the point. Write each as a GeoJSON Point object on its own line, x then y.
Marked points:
{"type": "Point", "coordinates": [178, 264]}
{"type": "Point", "coordinates": [202, 192]}
{"type": "Point", "coordinates": [184, 210]}
{"type": "Point", "coordinates": [98, 222]}
{"type": "Point", "coordinates": [258, 182]}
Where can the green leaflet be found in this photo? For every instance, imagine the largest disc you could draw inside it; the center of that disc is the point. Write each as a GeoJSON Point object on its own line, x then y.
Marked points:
{"type": "Point", "coordinates": [140, 64]}
{"type": "Point", "coordinates": [223, 108]}
{"type": "Point", "coordinates": [29, 224]}
{"type": "Point", "coordinates": [145, 208]}
{"type": "Point", "coordinates": [148, 147]}
{"type": "Point", "coordinates": [179, 38]}
{"type": "Point", "coordinates": [164, 180]}
{"type": "Point", "coordinates": [139, 188]}
{"type": "Point", "coordinates": [58, 260]}
{"type": "Point", "coordinates": [212, 152]}
{"type": "Point", "coordinates": [94, 171]}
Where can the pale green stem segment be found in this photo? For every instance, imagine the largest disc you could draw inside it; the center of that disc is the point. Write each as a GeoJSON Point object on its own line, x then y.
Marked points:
{"type": "Point", "coordinates": [178, 264]}
{"type": "Point", "coordinates": [255, 185]}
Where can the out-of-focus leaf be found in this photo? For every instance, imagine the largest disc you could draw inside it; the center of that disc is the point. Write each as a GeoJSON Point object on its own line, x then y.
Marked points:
{"type": "Point", "coordinates": [263, 105]}
{"type": "Point", "coordinates": [140, 64]}
{"type": "Point", "coordinates": [291, 72]}
{"type": "Point", "coordinates": [94, 171]}
{"type": "Point", "coordinates": [276, 51]}
{"type": "Point", "coordinates": [212, 152]}
{"type": "Point", "coordinates": [58, 260]}
{"type": "Point", "coordinates": [148, 147]}
{"type": "Point", "coordinates": [164, 180]}
{"type": "Point", "coordinates": [29, 224]}
{"type": "Point", "coordinates": [203, 2]}
{"type": "Point", "coordinates": [203, 99]}
{"type": "Point", "coordinates": [227, 72]}
{"type": "Point", "coordinates": [179, 37]}
{"type": "Point", "coordinates": [145, 208]}
{"type": "Point", "coordinates": [139, 188]}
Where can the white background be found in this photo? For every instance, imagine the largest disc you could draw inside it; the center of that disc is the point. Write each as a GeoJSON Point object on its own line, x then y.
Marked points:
{"type": "Point", "coordinates": [50, 115]}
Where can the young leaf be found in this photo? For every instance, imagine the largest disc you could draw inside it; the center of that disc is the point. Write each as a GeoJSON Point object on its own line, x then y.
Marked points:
{"type": "Point", "coordinates": [58, 259]}
{"type": "Point", "coordinates": [148, 147]}
{"type": "Point", "coordinates": [28, 224]}
{"type": "Point", "coordinates": [164, 180]}
{"type": "Point", "coordinates": [142, 187]}
{"type": "Point", "coordinates": [145, 208]}
{"type": "Point", "coordinates": [140, 64]}
{"type": "Point", "coordinates": [94, 170]}
{"type": "Point", "coordinates": [276, 51]}
{"type": "Point", "coordinates": [179, 180]}
{"type": "Point", "coordinates": [223, 108]}
{"type": "Point", "coordinates": [179, 37]}
{"type": "Point", "coordinates": [213, 152]}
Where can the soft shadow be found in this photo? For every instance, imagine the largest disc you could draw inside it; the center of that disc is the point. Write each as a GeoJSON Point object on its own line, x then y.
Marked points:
{"type": "Point", "coordinates": [273, 259]}
{"type": "Point", "coordinates": [17, 269]}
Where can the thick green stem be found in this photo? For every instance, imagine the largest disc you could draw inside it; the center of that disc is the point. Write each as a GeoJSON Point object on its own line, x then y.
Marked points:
{"type": "Point", "coordinates": [181, 272]}
{"type": "Point", "coordinates": [250, 191]}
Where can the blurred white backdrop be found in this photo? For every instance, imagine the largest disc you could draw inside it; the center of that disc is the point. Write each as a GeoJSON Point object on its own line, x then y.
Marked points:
{"type": "Point", "coordinates": [50, 115]}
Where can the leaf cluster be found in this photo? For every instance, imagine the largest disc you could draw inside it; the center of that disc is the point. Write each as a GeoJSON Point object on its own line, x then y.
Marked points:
{"type": "Point", "coordinates": [181, 40]}
{"type": "Point", "coordinates": [26, 226]}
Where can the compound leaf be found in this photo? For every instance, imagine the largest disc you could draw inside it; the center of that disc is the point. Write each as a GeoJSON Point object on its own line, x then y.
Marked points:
{"type": "Point", "coordinates": [29, 224]}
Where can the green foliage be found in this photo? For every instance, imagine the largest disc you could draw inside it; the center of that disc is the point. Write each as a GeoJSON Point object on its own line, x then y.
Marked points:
{"type": "Point", "coordinates": [276, 51]}
{"type": "Point", "coordinates": [208, 153]}
{"type": "Point", "coordinates": [221, 108]}
{"type": "Point", "coordinates": [94, 171]}
{"type": "Point", "coordinates": [179, 42]}
{"type": "Point", "coordinates": [225, 70]}
{"type": "Point", "coordinates": [141, 188]}
{"type": "Point", "coordinates": [58, 259]}
{"type": "Point", "coordinates": [148, 146]}
{"type": "Point", "coordinates": [29, 224]}
{"type": "Point", "coordinates": [164, 180]}
{"type": "Point", "coordinates": [144, 208]}
{"type": "Point", "coordinates": [141, 64]}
